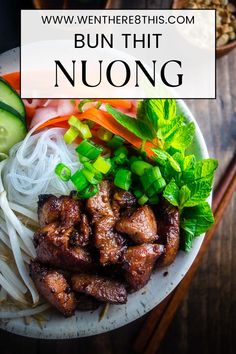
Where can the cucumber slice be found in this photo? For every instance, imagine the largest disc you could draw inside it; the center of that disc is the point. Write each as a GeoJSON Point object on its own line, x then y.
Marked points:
{"type": "Point", "coordinates": [12, 130]}
{"type": "Point", "coordinates": [5, 107]}
{"type": "Point", "coordinates": [10, 97]}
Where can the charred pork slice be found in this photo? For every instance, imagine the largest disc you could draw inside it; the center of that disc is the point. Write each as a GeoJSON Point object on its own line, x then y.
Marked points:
{"type": "Point", "coordinates": [141, 225]}
{"type": "Point", "coordinates": [86, 303]}
{"type": "Point", "coordinates": [110, 244]}
{"type": "Point", "coordinates": [99, 205]}
{"type": "Point", "coordinates": [63, 209]}
{"type": "Point", "coordinates": [81, 236]}
{"type": "Point", "coordinates": [99, 287]}
{"type": "Point", "coordinates": [53, 247]}
{"type": "Point", "coordinates": [139, 262]}
{"type": "Point", "coordinates": [168, 230]}
{"type": "Point", "coordinates": [53, 286]}
{"type": "Point", "coordinates": [122, 199]}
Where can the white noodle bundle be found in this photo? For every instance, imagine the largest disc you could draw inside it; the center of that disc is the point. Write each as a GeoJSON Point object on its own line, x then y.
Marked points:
{"type": "Point", "coordinates": [29, 171]}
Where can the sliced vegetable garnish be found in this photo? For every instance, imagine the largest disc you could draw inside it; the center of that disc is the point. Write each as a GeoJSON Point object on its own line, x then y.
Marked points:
{"type": "Point", "coordinates": [71, 134]}
{"type": "Point", "coordinates": [91, 177]}
{"type": "Point", "coordinates": [83, 129]}
{"type": "Point", "coordinates": [79, 180]}
{"type": "Point", "coordinates": [142, 200]}
{"type": "Point", "coordinates": [102, 165]}
{"type": "Point", "coordinates": [123, 179]}
{"type": "Point", "coordinates": [104, 134]}
{"type": "Point", "coordinates": [139, 167]}
{"type": "Point", "coordinates": [88, 149]}
{"type": "Point", "coordinates": [63, 172]}
{"type": "Point", "coordinates": [89, 191]}
{"type": "Point", "coordinates": [115, 142]}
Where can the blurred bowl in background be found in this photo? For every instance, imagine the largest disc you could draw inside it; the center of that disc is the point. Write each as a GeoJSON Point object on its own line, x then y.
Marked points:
{"type": "Point", "coordinates": [220, 51]}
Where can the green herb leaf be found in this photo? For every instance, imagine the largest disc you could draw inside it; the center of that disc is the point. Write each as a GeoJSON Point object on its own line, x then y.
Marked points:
{"type": "Point", "coordinates": [135, 126]}
{"type": "Point", "coordinates": [163, 156]}
{"type": "Point", "coordinates": [200, 190]}
{"type": "Point", "coordinates": [205, 168]}
{"type": "Point", "coordinates": [184, 195]}
{"type": "Point", "coordinates": [171, 193]}
{"type": "Point", "coordinates": [182, 138]}
{"type": "Point", "coordinates": [169, 109]}
{"type": "Point", "coordinates": [195, 221]}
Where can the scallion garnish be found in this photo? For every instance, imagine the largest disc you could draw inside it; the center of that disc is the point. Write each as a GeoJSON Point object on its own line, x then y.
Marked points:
{"type": "Point", "coordinates": [63, 172]}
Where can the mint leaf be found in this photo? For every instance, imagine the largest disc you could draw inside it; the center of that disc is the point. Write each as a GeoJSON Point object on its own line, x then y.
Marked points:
{"type": "Point", "coordinates": [171, 193]}
{"type": "Point", "coordinates": [162, 157]}
{"type": "Point", "coordinates": [169, 109]}
{"type": "Point", "coordinates": [205, 168]}
{"type": "Point", "coordinates": [182, 138]}
{"type": "Point", "coordinates": [139, 128]}
{"type": "Point", "coordinates": [168, 128]}
{"type": "Point", "coordinates": [184, 195]}
{"type": "Point", "coordinates": [146, 112]}
{"type": "Point", "coordinates": [199, 179]}
{"type": "Point", "coordinates": [187, 235]}
{"type": "Point", "coordinates": [194, 222]}
{"type": "Point", "coordinates": [200, 190]}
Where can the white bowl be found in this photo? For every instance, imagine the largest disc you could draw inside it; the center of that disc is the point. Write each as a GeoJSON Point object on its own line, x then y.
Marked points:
{"type": "Point", "coordinates": [87, 323]}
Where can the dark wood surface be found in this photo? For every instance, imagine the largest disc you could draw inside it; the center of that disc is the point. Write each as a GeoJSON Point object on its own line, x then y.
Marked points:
{"type": "Point", "coordinates": [206, 321]}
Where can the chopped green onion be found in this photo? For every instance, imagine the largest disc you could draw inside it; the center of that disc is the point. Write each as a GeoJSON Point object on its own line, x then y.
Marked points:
{"type": "Point", "coordinates": [153, 200]}
{"type": "Point", "coordinates": [102, 165]}
{"type": "Point", "coordinates": [83, 159]}
{"type": "Point", "coordinates": [82, 128]}
{"type": "Point", "coordinates": [71, 135]}
{"type": "Point", "coordinates": [139, 167]}
{"type": "Point", "coordinates": [138, 193]}
{"type": "Point", "coordinates": [134, 158]}
{"type": "Point", "coordinates": [104, 134]}
{"type": "Point", "coordinates": [121, 150]}
{"type": "Point", "coordinates": [90, 176]}
{"type": "Point", "coordinates": [120, 155]}
{"type": "Point", "coordinates": [89, 191]}
{"type": "Point", "coordinates": [151, 191]}
{"type": "Point", "coordinates": [159, 185]}
{"type": "Point", "coordinates": [115, 142]}
{"type": "Point", "coordinates": [83, 102]}
{"type": "Point", "coordinates": [143, 199]}
{"type": "Point", "coordinates": [79, 180]}
{"type": "Point", "coordinates": [123, 179]}
{"type": "Point", "coordinates": [88, 149]}
{"type": "Point", "coordinates": [150, 176]}
{"type": "Point", "coordinates": [63, 172]}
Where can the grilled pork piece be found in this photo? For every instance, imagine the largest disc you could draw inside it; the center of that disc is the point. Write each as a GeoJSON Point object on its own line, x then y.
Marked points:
{"type": "Point", "coordinates": [122, 199]}
{"type": "Point", "coordinates": [86, 303]}
{"type": "Point", "coordinates": [140, 225]}
{"type": "Point", "coordinates": [139, 262]}
{"type": "Point", "coordinates": [99, 287]}
{"type": "Point", "coordinates": [63, 209]}
{"type": "Point", "coordinates": [99, 205]}
{"type": "Point", "coordinates": [53, 247]}
{"type": "Point", "coordinates": [109, 242]}
{"type": "Point", "coordinates": [53, 286]}
{"type": "Point", "coordinates": [168, 230]}
{"type": "Point", "coordinates": [81, 236]}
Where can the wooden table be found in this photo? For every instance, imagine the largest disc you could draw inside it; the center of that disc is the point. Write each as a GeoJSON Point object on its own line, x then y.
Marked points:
{"type": "Point", "coordinates": [206, 321]}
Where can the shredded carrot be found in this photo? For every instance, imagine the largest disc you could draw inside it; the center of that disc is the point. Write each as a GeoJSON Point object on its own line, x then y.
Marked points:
{"type": "Point", "coordinates": [53, 122]}
{"type": "Point", "coordinates": [105, 120]}
{"type": "Point", "coordinates": [13, 79]}
{"type": "Point", "coordinates": [118, 103]}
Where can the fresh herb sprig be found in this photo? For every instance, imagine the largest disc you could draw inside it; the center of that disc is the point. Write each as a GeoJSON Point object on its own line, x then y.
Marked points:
{"type": "Point", "coordinates": [188, 181]}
